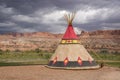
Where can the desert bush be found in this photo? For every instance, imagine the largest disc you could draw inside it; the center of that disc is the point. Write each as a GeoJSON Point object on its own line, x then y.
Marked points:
{"type": "Point", "coordinates": [47, 56]}
{"type": "Point", "coordinates": [1, 52]}
{"type": "Point", "coordinates": [40, 54]}
{"type": "Point", "coordinates": [7, 51]}
{"type": "Point", "coordinates": [17, 50]}
{"type": "Point", "coordinates": [104, 51]}
{"type": "Point", "coordinates": [116, 53]}
{"type": "Point", "coordinates": [37, 50]}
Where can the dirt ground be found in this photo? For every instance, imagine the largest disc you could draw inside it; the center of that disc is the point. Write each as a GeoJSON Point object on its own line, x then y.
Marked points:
{"type": "Point", "coordinates": [40, 72]}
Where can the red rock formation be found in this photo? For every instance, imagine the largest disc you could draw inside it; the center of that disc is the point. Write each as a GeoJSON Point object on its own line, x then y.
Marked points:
{"type": "Point", "coordinates": [96, 40]}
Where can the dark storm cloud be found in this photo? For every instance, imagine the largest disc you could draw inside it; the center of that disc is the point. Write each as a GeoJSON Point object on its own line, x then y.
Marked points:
{"type": "Point", "coordinates": [26, 6]}
{"type": "Point", "coordinates": [85, 4]}
{"type": "Point", "coordinates": [47, 15]}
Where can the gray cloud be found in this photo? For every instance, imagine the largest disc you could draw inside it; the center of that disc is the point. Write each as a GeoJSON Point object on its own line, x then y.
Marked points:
{"type": "Point", "coordinates": [47, 15]}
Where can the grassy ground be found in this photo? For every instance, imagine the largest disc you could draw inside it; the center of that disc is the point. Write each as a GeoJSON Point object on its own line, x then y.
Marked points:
{"type": "Point", "coordinates": [108, 59]}
{"type": "Point", "coordinates": [8, 58]}
{"type": "Point", "coordinates": [17, 58]}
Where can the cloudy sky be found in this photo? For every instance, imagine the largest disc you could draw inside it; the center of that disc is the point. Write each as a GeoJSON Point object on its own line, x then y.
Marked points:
{"type": "Point", "coordinates": [47, 15]}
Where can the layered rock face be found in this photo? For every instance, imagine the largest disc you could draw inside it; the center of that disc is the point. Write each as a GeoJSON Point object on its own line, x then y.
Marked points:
{"type": "Point", "coordinates": [93, 41]}
{"type": "Point", "coordinates": [101, 40]}
{"type": "Point", "coordinates": [29, 41]}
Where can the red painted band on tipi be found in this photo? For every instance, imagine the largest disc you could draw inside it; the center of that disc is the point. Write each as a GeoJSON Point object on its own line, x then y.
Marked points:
{"type": "Point", "coordinates": [70, 34]}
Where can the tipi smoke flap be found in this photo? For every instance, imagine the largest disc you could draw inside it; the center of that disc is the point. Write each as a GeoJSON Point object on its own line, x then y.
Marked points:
{"type": "Point", "coordinates": [70, 54]}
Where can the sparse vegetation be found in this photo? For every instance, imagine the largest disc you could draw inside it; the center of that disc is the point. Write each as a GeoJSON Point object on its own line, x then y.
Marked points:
{"type": "Point", "coordinates": [24, 57]}
{"type": "Point", "coordinates": [37, 56]}
{"type": "Point", "coordinates": [1, 52]}
{"type": "Point", "coordinates": [110, 59]}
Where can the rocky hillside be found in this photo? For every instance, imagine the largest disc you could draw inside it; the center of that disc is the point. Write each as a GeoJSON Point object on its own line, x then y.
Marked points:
{"type": "Point", "coordinates": [29, 41]}
{"type": "Point", "coordinates": [101, 34]}
{"type": "Point", "coordinates": [108, 40]}
{"type": "Point", "coordinates": [96, 41]}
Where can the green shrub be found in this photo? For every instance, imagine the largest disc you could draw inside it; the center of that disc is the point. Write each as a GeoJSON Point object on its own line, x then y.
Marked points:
{"type": "Point", "coordinates": [37, 50]}
{"type": "Point", "coordinates": [7, 51]}
{"type": "Point", "coordinates": [17, 50]}
{"type": "Point", "coordinates": [104, 51]}
{"type": "Point", "coordinates": [1, 52]}
{"type": "Point", "coordinates": [47, 56]}
{"type": "Point", "coordinates": [116, 53]}
{"type": "Point", "coordinates": [40, 54]}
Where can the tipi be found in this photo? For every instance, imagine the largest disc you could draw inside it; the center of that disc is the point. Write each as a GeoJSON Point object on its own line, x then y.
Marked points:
{"type": "Point", "coordinates": [70, 54]}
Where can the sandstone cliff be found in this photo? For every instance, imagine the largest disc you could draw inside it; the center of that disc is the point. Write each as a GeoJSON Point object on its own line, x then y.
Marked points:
{"type": "Point", "coordinates": [95, 41]}
{"type": "Point", "coordinates": [101, 40]}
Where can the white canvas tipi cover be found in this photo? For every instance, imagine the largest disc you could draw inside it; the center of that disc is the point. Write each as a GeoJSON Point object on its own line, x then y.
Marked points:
{"type": "Point", "coordinates": [70, 54]}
